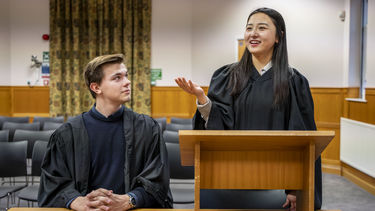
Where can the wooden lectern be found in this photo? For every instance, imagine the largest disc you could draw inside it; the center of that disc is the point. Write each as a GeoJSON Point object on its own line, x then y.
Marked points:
{"type": "Point", "coordinates": [251, 159]}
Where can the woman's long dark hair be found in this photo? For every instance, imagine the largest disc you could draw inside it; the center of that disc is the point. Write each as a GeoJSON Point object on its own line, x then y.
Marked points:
{"type": "Point", "coordinates": [240, 73]}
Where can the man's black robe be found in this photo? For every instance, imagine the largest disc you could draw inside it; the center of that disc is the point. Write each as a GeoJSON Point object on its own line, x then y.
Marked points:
{"type": "Point", "coordinates": [66, 166]}
{"type": "Point", "coordinates": [252, 109]}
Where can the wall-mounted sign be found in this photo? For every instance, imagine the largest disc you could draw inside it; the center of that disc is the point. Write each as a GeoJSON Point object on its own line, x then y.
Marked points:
{"type": "Point", "coordinates": [156, 74]}
{"type": "Point", "coordinates": [45, 68]}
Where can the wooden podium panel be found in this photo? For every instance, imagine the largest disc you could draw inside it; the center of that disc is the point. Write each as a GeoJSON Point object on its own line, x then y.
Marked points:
{"type": "Point", "coordinates": [253, 169]}
{"type": "Point", "coordinates": [245, 159]}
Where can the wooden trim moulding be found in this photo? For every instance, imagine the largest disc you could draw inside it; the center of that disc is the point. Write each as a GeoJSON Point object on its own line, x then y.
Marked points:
{"type": "Point", "coordinates": [370, 91]}
{"type": "Point", "coordinates": [333, 125]}
{"type": "Point", "coordinates": [331, 166]}
{"type": "Point", "coordinates": [327, 90]}
{"type": "Point", "coordinates": [31, 114]}
{"type": "Point", "coordinates": [361, 179]}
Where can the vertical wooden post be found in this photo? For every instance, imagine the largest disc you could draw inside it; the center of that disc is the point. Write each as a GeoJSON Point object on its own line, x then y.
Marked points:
{"type": "Point", "coordinates": [197, 173]}
{"type": "Point", "coordinates": [305, 200]}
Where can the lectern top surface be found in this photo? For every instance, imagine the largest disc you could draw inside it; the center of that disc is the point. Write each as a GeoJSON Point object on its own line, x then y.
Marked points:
{"type": "Point", "coordinates": [219, 140]}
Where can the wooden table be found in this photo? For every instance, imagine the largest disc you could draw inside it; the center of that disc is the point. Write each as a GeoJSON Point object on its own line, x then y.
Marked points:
{"type": "Point", "coordinates": [63, 209]}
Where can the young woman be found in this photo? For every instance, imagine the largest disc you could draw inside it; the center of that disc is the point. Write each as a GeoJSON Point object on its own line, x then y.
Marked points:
{"type": "Point", "coordinates": [260, 92]}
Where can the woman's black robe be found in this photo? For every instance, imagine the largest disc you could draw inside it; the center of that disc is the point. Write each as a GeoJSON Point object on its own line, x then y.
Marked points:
{"type": "Point", "coordinates": [252, 109]}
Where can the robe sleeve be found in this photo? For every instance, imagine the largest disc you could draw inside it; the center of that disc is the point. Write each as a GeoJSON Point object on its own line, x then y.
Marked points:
{"type": "Point", "coordinates": [302, 105]}
{"type": "Point", "coordinates": [221, 115]}
{"type": "Point", "coordinates": [56, 184]}
{"type": "Point", "coordinates": [154, 177]}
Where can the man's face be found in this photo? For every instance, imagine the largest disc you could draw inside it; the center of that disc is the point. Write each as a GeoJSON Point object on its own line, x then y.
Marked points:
{"type": "Point", "coordinates": [115, 85]}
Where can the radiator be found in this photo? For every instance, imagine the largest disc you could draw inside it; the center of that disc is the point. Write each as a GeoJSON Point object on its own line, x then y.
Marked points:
{"type": "Point", "coordinates": [357, 146]}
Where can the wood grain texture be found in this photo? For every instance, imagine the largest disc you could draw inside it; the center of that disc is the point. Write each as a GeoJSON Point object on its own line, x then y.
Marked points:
{"type": "Point", "coordinates": [172, 102]}
{"type": "Point", "coordinates": [30, 100]}
{"type": "Point", "coordinates": [24, 101]}
{"type": "Point", "coordinates": [332, 151]}
{"type": "Point", "coordinates": [328, 108]}
{"type": "Point", "coordinates": [331, 166]}
{"type": "Point", "coordinates": [146, 209]}
{"type": "Point", "coordinates": [197, 176]}
{"type": "Point", "coordinates": [328, 105]}
{"type": "Point", "coordinates": [307, 199]}
{"type": "Point", "coordinates": [241, 48]}
{"type": "Point", "coordinates": [248, 140]}
{"type": "Point", "coordinates": [258, 169]}
{"type": "Point", "coordinates": [363, 111]}
{"type": "Point", "coordinates": [5, 99]}
{"type": "Point", "coordinates": [254, 160]}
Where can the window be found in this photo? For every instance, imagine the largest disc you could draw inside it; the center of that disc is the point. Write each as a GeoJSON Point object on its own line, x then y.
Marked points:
{"type": "Point", "coordinates": [357, 47]}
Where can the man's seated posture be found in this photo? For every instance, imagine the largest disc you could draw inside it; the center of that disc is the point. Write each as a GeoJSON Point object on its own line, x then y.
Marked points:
{"type": "Point", "coordinates": [109, 158]}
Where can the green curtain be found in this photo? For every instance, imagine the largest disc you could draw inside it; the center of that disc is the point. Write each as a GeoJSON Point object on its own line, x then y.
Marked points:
{"type": "Point", "coordinates": [80, 31]}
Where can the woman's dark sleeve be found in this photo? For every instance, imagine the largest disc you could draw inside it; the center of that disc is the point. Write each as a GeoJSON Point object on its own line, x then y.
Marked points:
{"type": "Point", "coordinates": [301, 105]}
{"type": "Point", "coordinates": [221, 115]}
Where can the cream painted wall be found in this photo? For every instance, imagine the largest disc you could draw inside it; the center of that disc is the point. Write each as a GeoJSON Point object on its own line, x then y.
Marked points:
{"type": "Point", "coordinates": [4, 43]}
{"type": "Point", "coordinates": [315, 36]}
{"type": "Point", "coordinates": [216, 26]}
{"type": "Point", "coordinates": [194, 38]}
{"type": "Point", "coordinates": [171, 39]}
{"type": "Point", "coordinates": [29, 20]}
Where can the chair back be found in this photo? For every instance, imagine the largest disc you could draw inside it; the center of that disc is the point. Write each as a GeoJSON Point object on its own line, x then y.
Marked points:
{"type": "Point", "coordinates": [70, 118]}
{"type": "Point", "coordinates": [12, 119]}
{"type": "Point", "coordinates": [31, 137]}
{"type": "Point", "coordinates": [183, 121]}
{"type": "Point", "coordinates": [4, 135]}
{"type": "Point", "coordinates": [43, 120]}
{"type": "Point", "coordinates": [13, 159]}
{"type": "Point", "coordinates": [51, 125]}
{"type": "Point", "coordinates": [177, 127]}
{"type": "Point", "coordinates": [40, 148]}
{"type": "Point", "coordinates": [13, 126]}
{"type": "Point", "coordinates": [177, 171]}
{"type": "Point", "coordinates": [162, 122]}
{"type": "Point", "coordinates": [171, 137]}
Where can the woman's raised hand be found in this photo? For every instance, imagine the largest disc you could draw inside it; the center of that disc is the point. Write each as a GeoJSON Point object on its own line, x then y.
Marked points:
{"type": "Point", "coordinates": [192, 88]}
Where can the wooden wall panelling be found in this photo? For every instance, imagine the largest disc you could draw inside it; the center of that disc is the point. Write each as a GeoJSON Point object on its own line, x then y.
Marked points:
{"type": "Point", "coordinates": [30, 101]}
{"type": "Point", "coordinates": [172, 102]}
{"type": "Point", "coordinates": [363, 111]}
{"type": "Point", "coordinates": [331, 155]}
{"type": "Point", "coordinates": [241, 48]}
{"type": "Point", "coordinates": [5, 101]}
{"type": "Point", "coordinates": [328, 106]}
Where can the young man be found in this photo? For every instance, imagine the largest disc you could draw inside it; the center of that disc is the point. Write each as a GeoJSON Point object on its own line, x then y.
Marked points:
{"type": "Point", "coordinates": [109, 158]}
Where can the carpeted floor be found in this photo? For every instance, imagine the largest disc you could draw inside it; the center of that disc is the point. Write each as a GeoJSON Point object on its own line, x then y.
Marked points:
{"type": "Point", "coordinates": [338, 193]}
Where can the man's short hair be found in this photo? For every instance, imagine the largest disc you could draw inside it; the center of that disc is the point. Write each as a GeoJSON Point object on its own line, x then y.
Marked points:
{"type": "Point", "coordinates": [94, 72]}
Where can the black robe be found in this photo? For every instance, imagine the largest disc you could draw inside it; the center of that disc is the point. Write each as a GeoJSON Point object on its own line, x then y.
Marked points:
{"type": "Point", "coordinates": [66, 165]}
{"type": "Point", "coordinates": [252, 109]}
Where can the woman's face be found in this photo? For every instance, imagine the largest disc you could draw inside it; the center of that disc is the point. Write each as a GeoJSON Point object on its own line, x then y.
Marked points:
{"type": "Point", "coordinates": [260, 35]}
